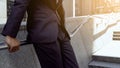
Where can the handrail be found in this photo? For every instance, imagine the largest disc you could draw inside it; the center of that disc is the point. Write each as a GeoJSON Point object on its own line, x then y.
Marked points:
{"type": "Point", "coordinates": [3, 45]}
{"type": "Point", "coordinates": [79, 27]}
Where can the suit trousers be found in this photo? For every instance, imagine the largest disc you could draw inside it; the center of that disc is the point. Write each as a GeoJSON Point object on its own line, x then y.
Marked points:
{"type": "Point", "coordinates": [58, 54]}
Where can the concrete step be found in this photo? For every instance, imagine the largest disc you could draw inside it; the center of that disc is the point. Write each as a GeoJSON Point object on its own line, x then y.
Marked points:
{"type": "Point", "coordinates": [106, 59]}
{"type": "Point", "coordinates": [116, 35]}
{"type": "Point", "coordinates": [116, 38]}
{"type": "Point", "coordinates": [109, 53]}
{"type": "Point", "coordinates": [116, 32]}
{"type": "Point", "coordinates": [102, 64]}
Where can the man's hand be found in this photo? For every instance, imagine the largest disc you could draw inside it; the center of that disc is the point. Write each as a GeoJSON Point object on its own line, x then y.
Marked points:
{"type": "Point", "coordinates": [13, 44]}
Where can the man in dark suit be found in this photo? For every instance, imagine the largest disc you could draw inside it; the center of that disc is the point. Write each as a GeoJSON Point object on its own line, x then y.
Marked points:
{"type": "Point", "coordinates": [46, 30]}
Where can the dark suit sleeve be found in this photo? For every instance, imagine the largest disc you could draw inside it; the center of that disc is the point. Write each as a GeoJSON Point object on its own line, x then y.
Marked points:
{"type": "Point", "coordinates": [19, 8]}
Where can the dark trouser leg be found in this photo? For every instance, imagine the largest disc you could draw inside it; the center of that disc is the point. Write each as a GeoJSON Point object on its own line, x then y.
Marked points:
{"type": "Point", "coordinates": [69, 59]}
{"type": "Point", "coordinates": [49, 55]}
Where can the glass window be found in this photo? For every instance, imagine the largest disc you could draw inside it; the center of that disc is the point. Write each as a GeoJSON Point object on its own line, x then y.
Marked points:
{"type": "Point", "coordinates": [3, 12]}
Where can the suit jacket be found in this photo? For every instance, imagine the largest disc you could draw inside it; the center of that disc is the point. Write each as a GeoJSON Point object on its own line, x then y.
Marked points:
{"type": "Point", "coordinates": [42, 22]}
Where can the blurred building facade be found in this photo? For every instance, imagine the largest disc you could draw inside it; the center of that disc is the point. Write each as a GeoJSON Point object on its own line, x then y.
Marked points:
{"type": "Point", "coordinates": [74, 7]}
{"type": "Point", "coordinates": [90, 7]}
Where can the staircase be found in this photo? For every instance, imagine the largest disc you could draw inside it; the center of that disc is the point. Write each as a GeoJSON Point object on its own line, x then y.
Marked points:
{"type": "Point", "coordinates": [116, 35]}
{"type": "Point", "coordinates": [109, 56]}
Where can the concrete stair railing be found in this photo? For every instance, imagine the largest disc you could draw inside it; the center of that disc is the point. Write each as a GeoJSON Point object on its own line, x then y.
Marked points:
{"type": "Point", "coordinates": [108, 56]}
{"type": "Point", "coordinates": [107, 61]}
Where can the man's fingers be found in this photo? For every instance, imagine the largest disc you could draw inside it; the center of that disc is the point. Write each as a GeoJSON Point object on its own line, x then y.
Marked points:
{"type": "Point", "coordinates": [13, 44]}
{"type": "Point", "coordinates": [13, 49]}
